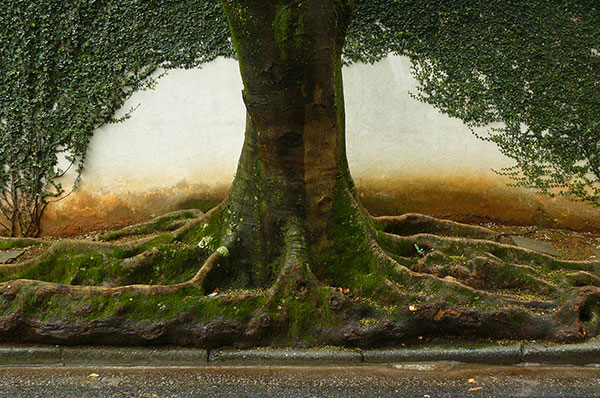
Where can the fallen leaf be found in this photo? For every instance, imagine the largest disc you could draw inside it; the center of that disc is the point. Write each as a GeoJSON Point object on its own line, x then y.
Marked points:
{"type": "Point", "coordinates": [471, 381]}
{"type": "Point", "coordinates": [476, 389]}
{"type": "Point", "coordinates": [94, 375]}
{"type": "Point", "coordinates": [412, 307]}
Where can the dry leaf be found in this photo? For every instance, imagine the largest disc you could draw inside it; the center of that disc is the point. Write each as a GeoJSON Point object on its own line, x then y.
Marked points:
{"type": "Point", "coordinates": [412, 307]}
{"type": "Point", "coordinates": [94, 375]}
{"type": "Point", "coordinates": [471, 381]}
{"type": "Point", "coordinates": [475, 388]}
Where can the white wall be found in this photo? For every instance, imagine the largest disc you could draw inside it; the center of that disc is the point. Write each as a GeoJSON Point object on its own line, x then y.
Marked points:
{"type": "Point", "coordinates": [190, 128]}
{"type": "Point", "coordinates": [182, 144]}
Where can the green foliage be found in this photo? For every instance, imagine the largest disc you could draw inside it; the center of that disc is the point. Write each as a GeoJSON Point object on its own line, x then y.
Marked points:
{"type": "Point", "coordinates": [531, 69]}
{"type": "Point", "coordinates": [66, 67]}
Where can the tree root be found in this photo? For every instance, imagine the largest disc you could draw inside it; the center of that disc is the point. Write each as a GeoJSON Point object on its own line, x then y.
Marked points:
{"type": "Point", "coordinates": [167, 222]}
{"type": "Point", "coordinates": [294, 274]}
{"type": "Point", "coordinates": [66, 246]}
{"type": "Point", "coordinates": [196, 222]}
{"type": "Point", "coordinates": [79, 290]}
{"type": "Point", "coordinates": [413, 223]}
{"type": "Point", "coordinates": [421, 284]}
{"type": "Point", "coordinates": [409, 246]}
{"type": "Point", "coordinates": [13, 243]}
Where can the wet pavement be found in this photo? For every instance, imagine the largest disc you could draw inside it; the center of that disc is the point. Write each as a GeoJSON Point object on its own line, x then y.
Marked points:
{"type": "Point", "coordinates": [439, 380]}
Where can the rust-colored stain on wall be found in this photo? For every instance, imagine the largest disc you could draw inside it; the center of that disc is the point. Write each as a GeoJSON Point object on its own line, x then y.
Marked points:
{"type": "Point", "coordinates": [474, 198]}
{"type": "Point", "coordinates": [468, 198]}
{"type": "Point", "coordinates": [86, 211]}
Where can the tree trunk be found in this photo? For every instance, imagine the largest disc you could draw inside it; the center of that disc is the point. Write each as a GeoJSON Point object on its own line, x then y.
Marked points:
{"type": "Point", "coordinates": [293, 164]}
{"type": "Point", "coordinates": [302, 261]}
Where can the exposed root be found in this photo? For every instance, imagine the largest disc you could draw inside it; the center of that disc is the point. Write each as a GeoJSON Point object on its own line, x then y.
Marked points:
{"type": "Point", "coordinates": [167, 222]}
{"type": "Point", "coordinates": [399, 286]}
{"type": "Point", "coordinates": [579, 315]}
{"type": "Point", "coordinates": [196, 222]}
{"type": "Point", "coordinates": [209, 264]}
{"type": "Point", "coordinates": [405, 246]}
{"type": "Point", "coordinates": [413, 223]}
{"type": "Point", "coordinates": [67, 246]}
{"type": "Point", "coordinates": [486, 272]}
{"type": "Point", "coordinates": [80, 290]}
{"type": "Point", "coordinates": [582, 278]}
{"type": "Point", "coordinates": [294, 273]}
{"type": "Point", "coordinates": [140, 260]}
{"type": "Point", "coordinates": [13, 243]}
{"type": "Point", "coordinates": [63, 246]}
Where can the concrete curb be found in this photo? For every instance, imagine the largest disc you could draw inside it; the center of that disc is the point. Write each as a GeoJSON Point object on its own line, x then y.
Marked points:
{"type": "Point", "coordinates": [22, 355]}
{"type": "Point", "coordinates": [500, 355]}
{"type": "Point", "coordinates": [273, 356]}
{"type": "Point", "coordinates": [88, 355]}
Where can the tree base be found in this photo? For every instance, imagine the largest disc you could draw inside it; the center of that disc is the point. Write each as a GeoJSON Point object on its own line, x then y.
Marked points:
{"type": "Point", "coordinates": [380, 282]}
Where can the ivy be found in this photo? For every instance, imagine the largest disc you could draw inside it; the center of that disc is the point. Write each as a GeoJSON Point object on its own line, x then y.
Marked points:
{"type": "Point", "coordinates": [67, 66]}
{"type": "Point", "coordinates": [530, 68]}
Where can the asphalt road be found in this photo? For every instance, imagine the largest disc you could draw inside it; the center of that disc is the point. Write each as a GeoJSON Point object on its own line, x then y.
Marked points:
{"type": "Point", "coordinates": [418, 380]}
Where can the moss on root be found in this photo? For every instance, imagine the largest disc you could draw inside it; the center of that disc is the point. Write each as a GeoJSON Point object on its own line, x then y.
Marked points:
{"type": "Point", "coordinates": [16, 243]}
{"type": "Point", "coordinates": [366, 288]}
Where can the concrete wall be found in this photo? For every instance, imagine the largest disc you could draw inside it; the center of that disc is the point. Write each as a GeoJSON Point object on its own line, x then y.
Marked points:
{"type": "Point", "coordinates": [181, 146]}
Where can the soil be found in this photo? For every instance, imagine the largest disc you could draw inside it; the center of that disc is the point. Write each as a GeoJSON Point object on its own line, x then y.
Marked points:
{"type": "Point", "coordinates": [572, 245]}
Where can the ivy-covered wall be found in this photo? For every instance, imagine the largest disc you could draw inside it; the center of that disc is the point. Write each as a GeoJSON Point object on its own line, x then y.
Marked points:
{"type": "Point", "coordinates": [532, 67]}
{"type": "Point", "coordinates": [181, 146]}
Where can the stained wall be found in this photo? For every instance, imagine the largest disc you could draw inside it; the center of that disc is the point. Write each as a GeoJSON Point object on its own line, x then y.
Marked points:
{"type": "Point", "coordinates": [181, 146]}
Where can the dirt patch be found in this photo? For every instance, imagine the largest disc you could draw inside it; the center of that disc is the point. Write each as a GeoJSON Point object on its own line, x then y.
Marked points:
{"type": "Point", "coordinates": [572, 245]}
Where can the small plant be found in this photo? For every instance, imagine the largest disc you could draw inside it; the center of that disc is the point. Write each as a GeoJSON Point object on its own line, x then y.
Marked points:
{"type": "Point", "coordinates": [420, 250]}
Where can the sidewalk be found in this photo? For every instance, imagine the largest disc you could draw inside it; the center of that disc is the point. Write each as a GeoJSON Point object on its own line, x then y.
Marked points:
{"type": "Point", "coordinates": [518, 353]}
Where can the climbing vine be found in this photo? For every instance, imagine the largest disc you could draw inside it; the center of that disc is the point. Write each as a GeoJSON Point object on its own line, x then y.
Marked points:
{"type": "Point", "coordinates": [66, 67]}
{"type": "Point", "coordinates": [532, 69]}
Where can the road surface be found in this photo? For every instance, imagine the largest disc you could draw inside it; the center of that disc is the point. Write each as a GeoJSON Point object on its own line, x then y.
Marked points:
{"type": "Point", "coordinates": [440, 380]}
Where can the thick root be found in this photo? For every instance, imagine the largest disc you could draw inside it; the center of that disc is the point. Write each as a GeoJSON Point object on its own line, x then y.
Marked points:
{"type": "Point", "coordinates": [410, 246]}
{"type": "Point", "coordinates": [395, 288]}
{"type": "Point", "coordinates": [294, 272]}
{"type": "Point", "coordinates": [197, 282]}
{"type": "Point", "coordinates": [413, 223]}
{"type": "Point", "coordinates": [63, 246]}
{"type": "Point", "coordinates": [167, 222]}
{"type": "Point", "coordinates": [14, 243]}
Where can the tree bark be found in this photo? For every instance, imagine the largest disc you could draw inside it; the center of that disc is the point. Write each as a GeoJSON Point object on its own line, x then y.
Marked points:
{"type": "Point", "coordinates": [293, 163]}
{"type": "Point", "coordinates": [295, 256]}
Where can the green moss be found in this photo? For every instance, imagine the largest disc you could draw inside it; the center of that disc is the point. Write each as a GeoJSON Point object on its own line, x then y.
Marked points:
{"type": "Point", "coordinates": [48, 303]}
{"type": "Point", "coordinates": [281, 26]}
{"type": "Point", "coordinates": [166, 306]}
{"type": "Point", "coordinates": [7, 244]}
{"type": "Point", "coordinates": [161, 224]}
{"type": "Point", "coordinates": [62, 268]}
{"type": "Point", "coordinates": [402, 247]}
{"type": "Point", "coordinates": [213, 227]}
{"type": "Point", "coordinates": [173, 264]}
{"type": "Point", "coordinates": [306, 314]}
